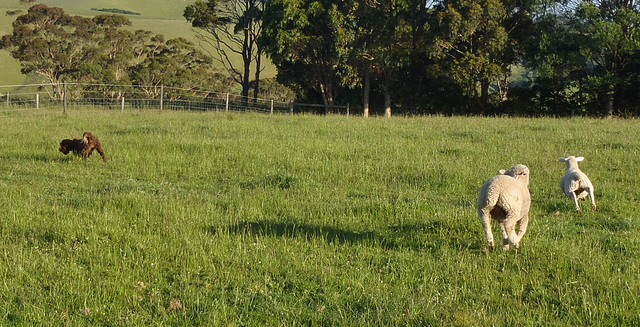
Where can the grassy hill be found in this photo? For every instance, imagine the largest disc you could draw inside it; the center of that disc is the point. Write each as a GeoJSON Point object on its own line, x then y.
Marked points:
{"type": "Point", "coordinates": [159, 16]}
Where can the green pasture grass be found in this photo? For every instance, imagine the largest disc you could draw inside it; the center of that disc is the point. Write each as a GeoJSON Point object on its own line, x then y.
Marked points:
{"type": "Point", "coordinates": [249, 219]}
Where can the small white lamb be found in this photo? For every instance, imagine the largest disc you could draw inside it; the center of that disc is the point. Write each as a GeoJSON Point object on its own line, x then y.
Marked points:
{"type": "Point", "coordinates": [575, 184]}
{"type": "Point", "coordinates": [506, 198]}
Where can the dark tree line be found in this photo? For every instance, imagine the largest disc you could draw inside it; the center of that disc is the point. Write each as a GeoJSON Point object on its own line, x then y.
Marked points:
{"type": "Point", "coordinates": [522, 57]}
{"type": "Point", "coordinates": [460, 56]}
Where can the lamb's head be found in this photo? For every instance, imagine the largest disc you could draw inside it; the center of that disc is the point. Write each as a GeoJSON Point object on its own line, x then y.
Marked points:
{"type": "Point", "coordinates": [571, 161]}
{"type": "Point", "coordinates": [519, 172]}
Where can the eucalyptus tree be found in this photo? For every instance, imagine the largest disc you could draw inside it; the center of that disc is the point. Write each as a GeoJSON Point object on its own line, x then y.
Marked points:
{"type": "Point", "coordinates": [612, 46]}
{"type": "Point", "coordinates": [379, 49]}
{"type": "Point", "coordinates": [114, 51]}
{"type": "Point", "coordinates": [553, 57]}
{"type": "Point", "coordinates": [176, 63]}
{"type": "Point", "coordinates": [477, 43]}
{"type": "Point", "coordinates": [50, 43]}
{"type": "Point", "coordinates": [232, 28]}
{"type": "Point", "coordinates": [309, 44]}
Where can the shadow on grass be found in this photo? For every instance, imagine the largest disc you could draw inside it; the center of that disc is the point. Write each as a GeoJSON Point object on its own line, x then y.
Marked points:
{"type": "Point", "coordinates": [43, 157]}
{"type": "Point", "coordinates": [431, 237]}
{"type": "Point", "coordinates": [292, 230]}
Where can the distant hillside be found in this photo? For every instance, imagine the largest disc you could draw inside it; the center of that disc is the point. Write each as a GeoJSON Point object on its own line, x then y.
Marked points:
{"type": "Point", "coordinates": [159, 16]}
{"type": "Point", "coordinates": [170, 9]}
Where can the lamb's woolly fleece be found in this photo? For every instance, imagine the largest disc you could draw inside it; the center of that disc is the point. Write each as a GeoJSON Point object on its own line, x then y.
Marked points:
{"type": "Point", "coordinates": [506, 198]}
{"type": "Point", "coordinates": [575, 184]}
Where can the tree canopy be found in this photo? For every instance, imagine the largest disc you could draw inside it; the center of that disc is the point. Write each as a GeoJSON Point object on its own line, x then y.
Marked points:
{"type": "Point", "coordinates": [522, 57]}
{"type": "Point", "coordinates": [63, 48]}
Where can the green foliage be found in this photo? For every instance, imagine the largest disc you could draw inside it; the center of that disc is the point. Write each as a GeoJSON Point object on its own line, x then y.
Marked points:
{"type": "Point", "coordinates": [476, 42]}
{"type": "Point", "coordinates": [586, 59]}
{"type": "Point", "coordinates": [232, 28]}
{"type": "Point", "coordinates": [64, 48]}
{"type": "Point", "coordinates": [301, 39]}
{"type": "Point", "coordinates": [243, 219]}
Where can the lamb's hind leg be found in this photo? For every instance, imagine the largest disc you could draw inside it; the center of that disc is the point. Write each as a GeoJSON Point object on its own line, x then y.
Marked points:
{"type": "Point", "coordinates": [485, 218]}
{"type": "Point", "coordinates": [522, 227]}
{"type": "Point", "coordinates": [575, 201]}
{"type": "Point", "coordinates": [593, 199]}
{"type": "Point", "coordinates": [509, 235]}
{"type": "Point", "coordinates": [505, 235]}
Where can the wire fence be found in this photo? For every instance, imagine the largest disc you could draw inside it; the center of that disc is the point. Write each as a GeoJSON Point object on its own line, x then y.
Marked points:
{"type": "Point", "coordinates": [15, 98]}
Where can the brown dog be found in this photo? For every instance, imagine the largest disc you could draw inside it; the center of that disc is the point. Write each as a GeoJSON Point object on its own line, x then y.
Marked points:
{"type": "Point", "coordinates": [76, 146]}
{"type": "Point", "coordinates": [83, 146]}
{"type": "Point", "coordinates": [91, 142]}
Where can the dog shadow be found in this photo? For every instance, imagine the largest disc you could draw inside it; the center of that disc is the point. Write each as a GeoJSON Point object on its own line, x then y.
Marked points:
{"type": "Point", "coordinates": [41, 157]}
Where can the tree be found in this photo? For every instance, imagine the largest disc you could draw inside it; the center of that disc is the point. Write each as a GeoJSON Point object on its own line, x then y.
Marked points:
{"type": "Point", "coordinates": [232, 27]}
{"type": "Point", "coordinates": [552, 53]}
{"type": "Point", "coordinates": [302, 41]}
{"type": "Point", "coordinates": [377, 45]}
{"type": "Point", "coordinates": [50, 43]}
{"type": "Point", "coordinates": [476, 43]}
{"type": "Point", "coordinates": [175, 63]}
{"type": "Point", "coordinates": [612, 44]}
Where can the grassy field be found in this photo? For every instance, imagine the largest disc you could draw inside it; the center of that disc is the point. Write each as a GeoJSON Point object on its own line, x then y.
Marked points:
{"type": "Point", "coordinates": [247, 219]}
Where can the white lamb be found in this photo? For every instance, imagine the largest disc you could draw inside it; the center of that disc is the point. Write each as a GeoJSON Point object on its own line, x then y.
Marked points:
{"type": "Point", "coordinates": [575, 184]}
{"type": "Point", "coordinates": [506, 198]}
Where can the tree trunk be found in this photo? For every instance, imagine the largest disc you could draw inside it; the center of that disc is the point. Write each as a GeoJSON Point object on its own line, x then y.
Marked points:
{"type": "Point", "coordinates": [246, 60]}
{"type": "Point", "coordinates": [256, 90]}
{"type": "Point", "coordinates": [327, 96]}
{"type": "Point", "coordinates": [484, 96]}
{"type": "Point", "coordinates": [387, 93]}
{"type": "Point", "coordinates": [610, 98]}
{"type": "Point", "coordinates": [367, 87]}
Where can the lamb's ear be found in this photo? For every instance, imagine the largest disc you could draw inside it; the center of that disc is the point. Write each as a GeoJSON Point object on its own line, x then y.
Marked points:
{"type": "Point", "coordinates": [579, 158]}
{"type": "Point", "coordinates": [502, 171]}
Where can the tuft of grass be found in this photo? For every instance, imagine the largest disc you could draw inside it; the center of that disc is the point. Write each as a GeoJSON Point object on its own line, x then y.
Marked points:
{"type": "Point", "coordinates": [247, 219]}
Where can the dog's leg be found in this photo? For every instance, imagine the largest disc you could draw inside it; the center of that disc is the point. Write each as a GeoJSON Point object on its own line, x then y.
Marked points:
{"type": "Point", "coordinates": [99, 149]}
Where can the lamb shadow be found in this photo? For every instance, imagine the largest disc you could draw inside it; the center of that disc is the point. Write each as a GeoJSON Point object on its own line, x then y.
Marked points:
{"type": "Point", "coordinates": [427, 237]}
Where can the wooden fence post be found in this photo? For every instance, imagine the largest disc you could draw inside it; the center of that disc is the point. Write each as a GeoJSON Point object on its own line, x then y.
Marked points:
{"type": "Point", "coordinates": [122, 105]}
{"type": "Point", "coordinates": [64, 98]}
{"type": "Point", "coordinates": [37, 101]}
{"type": "Point", "coordinates": [272, 107]}
{"type": "Point", "coordinates": [226, 106]}
{"type": "Point", "coordinates": [161, 97]}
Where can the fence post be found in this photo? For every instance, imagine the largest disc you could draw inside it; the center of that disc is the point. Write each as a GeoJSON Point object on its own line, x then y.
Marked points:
{"type": "Point", "coordinates": [37, 101]}
{"type": "Point", "coordinates": [226, 106]}
{"type": "Point", "coordinates": [64, 98]}
{"type": "Point", "coordinates": [291, 107]}
{"type": "Point", "coordinates": [161, 97]}
{"type": "Point", "coordinates": [347, 110]}
{"type": "Point", "coordinates": [272, 107]}
{"type": "Point", "coordinates": [122, 105]}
